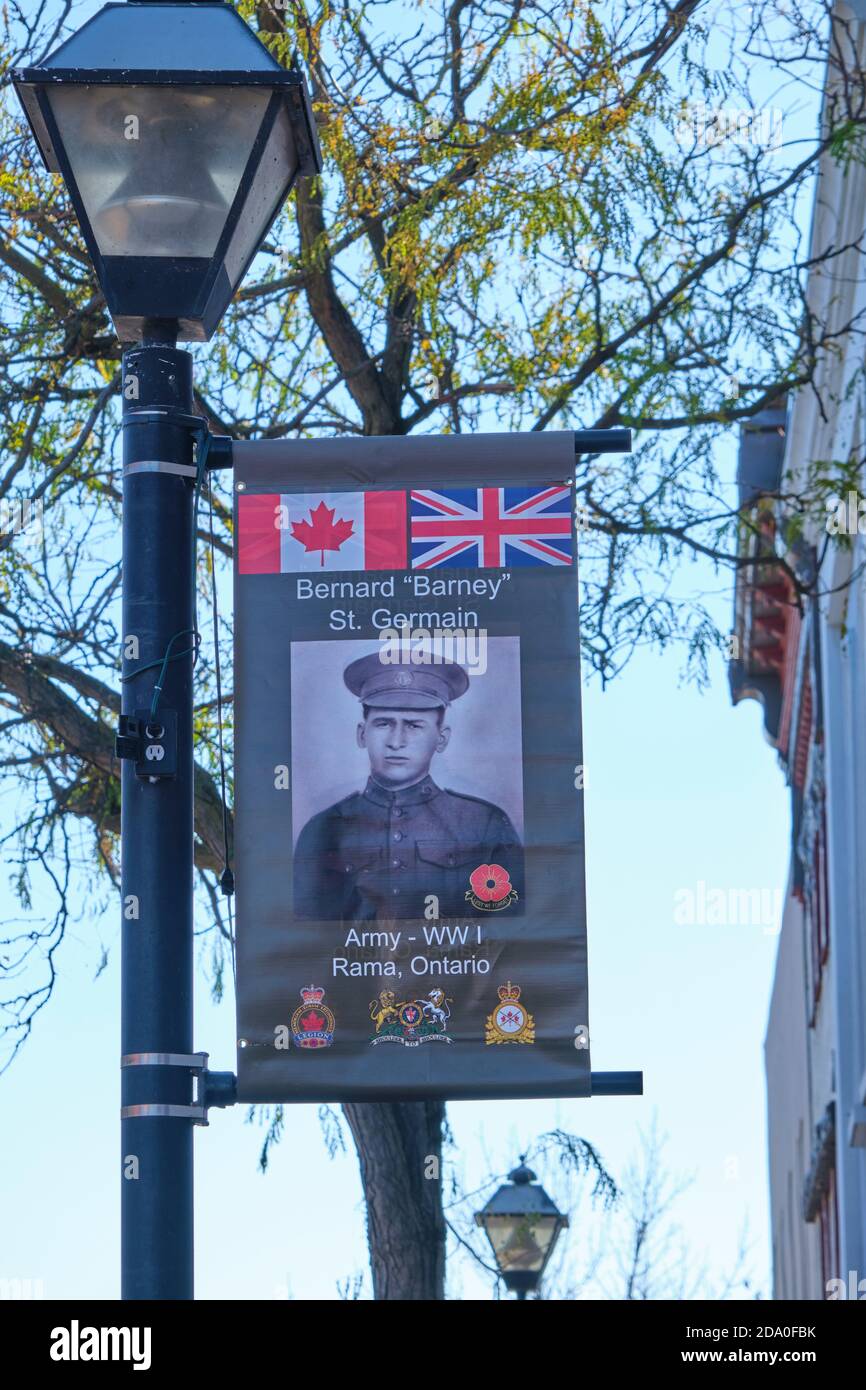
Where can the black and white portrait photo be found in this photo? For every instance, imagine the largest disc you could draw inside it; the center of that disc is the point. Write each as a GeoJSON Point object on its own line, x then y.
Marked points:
{"type": "Point", "coordinates": [406, 782]}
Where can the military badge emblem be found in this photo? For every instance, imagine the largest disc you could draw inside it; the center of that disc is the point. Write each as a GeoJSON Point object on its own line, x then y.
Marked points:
{"type": "Point", "coordinates": [312, 1022]}
{"type": "Point", "coordinates": [490, 888]}
{"type": "Point", "coordinates": [509, 1023]}
{"type": "Point", "coordinates": [410, 1022]}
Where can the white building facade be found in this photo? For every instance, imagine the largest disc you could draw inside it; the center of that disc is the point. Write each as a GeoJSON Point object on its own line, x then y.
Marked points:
{"type": "Point", "coordinates": [807, 666]}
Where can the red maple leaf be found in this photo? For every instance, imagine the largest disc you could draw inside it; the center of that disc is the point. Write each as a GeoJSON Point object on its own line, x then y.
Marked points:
{"type": "Point", "coordinates": [312, 1023]}
{"type": "Point", "coordinates": [322, 532]}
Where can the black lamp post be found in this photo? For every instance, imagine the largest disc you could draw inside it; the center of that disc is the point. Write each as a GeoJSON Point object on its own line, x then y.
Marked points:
{"type": "Point", "coordinates": [522, 1225]}
{"type": "Point", "coordinates": [178, 137]}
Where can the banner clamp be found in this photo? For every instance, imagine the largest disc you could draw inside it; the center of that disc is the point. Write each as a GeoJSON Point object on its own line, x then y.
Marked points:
{"type": "Point", "coordinates": [213, 1089]}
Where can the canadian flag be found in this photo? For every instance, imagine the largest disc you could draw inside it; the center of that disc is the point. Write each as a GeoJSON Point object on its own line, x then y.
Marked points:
{"type": "Point", "coordinates": [283, 533]}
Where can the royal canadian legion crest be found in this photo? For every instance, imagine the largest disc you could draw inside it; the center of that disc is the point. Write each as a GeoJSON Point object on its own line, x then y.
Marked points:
{"type": "Point", "coordinates": [312, 1022]}
{"type": "Point", "coordinates": [410, 1022]}
{"type": "Point", "coordinates": [509, 1023]}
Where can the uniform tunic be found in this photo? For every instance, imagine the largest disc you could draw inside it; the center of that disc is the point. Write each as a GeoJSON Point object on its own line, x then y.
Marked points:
{"type": "Point", "coordinates": [378, 854]}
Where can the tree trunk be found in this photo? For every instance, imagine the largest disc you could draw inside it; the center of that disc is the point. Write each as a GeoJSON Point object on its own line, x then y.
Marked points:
{"type": "Point", "coordinates": [400, 1152]}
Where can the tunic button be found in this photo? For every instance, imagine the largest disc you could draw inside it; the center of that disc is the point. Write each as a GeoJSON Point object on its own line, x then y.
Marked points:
{"type": "Point", "coordinates": [395, 890]}
{"type": "Point", "coordinates": [451, 859]}
{"type": "Point", "coordinates": [398, 834]}
{"type": "Point", "coordinates": [398, 863]}
{"type": "Point", "coordinates": [348, 868]}
{"type": "Point", "coordinates": [397, 811]}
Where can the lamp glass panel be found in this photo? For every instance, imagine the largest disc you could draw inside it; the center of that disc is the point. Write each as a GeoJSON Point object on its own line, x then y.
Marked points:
{"type": "Point", "coordinates": [157, 167]}
{"type": "Point", "coordinates": [520, 1242]}
{"type": "Point", "coordinates": [271, 182]}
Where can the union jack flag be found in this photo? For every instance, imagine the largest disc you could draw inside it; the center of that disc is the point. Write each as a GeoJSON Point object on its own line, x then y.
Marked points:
{"type": "Point", "coordinates": [491, 527]}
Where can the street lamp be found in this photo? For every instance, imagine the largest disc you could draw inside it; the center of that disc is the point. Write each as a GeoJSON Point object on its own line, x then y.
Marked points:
{"type": "Point", "coordinates": [178, 136]}
{"type": "Point", "coordinates": [522, 1225]}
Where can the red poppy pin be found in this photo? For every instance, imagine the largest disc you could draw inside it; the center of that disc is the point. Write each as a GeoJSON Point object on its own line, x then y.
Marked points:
{"type": "Point", "coordinates": [490, 888]}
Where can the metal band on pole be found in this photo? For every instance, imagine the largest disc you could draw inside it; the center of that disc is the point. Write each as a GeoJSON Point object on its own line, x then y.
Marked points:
{"type": "Point", "coordinates": [196, 1113]}
{"type": "Point", "coordinates": [183, 470]}
{"type": "Point", "coordinates": [194, 1061]}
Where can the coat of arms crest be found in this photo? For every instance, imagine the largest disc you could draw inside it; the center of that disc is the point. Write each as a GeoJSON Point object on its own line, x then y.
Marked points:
{"type": "Point", "coordinates": [509, 1023]}
{"type": "Point", "coordinates": [412, 1021]}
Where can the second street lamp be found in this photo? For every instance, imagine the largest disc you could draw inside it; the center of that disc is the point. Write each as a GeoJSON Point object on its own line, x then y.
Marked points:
{"type": "Point", "coordinates": [179, 137]}
{"type": "Point", "coordinates": [522, 1225]}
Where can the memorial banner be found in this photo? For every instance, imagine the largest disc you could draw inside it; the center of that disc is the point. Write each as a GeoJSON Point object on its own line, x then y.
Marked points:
{"type": "Point", "coordinates": [409, 843]}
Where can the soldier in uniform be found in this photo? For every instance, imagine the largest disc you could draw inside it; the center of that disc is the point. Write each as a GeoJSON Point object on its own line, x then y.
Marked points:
{"type": "Point", "coordinates": [382, 852]}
